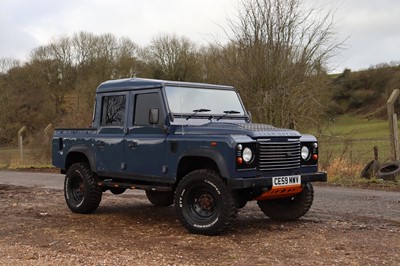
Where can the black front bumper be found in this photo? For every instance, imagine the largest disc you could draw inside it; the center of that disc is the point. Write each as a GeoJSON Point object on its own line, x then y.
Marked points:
{"type": "Point", "coordinates": [260, 182]}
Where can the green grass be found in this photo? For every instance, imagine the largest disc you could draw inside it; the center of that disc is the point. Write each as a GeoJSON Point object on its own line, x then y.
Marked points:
{"type": "Point", "coordinates": [360, 128]}
{"type": "Point", "coordinates": [376, 184]}
{"type": "Point", "coordinates": [352, 139]}
{"type": "Point", "coordinates": [346, 147]}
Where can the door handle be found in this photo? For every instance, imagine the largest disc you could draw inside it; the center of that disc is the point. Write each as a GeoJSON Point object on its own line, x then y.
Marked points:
{"type": "Point", "coordinates": [133, 145]}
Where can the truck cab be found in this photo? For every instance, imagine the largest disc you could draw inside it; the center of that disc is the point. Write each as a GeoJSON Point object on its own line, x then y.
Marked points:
{"type": "Point", "coordinates": [188, 144]}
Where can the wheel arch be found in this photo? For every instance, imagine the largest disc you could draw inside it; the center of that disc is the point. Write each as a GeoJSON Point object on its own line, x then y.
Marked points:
{"type": "Point", "coordinates": [201, 158]}
{"type": "Point", "coordinates": [80, 154]}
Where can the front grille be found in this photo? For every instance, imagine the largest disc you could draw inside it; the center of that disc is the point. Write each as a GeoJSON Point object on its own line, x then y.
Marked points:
{"type": "Point", "coordinates": [274, 156]}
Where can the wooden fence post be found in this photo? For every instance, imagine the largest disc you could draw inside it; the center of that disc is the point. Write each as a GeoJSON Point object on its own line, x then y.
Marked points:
{"type": "Point", "coordinates": [376, 153]}
{"type": "Point", "coordinates": [48, 131]}
{"type": "Point", "coordinates": [21, 143]}
{"type": "Point", "coordinates": [392, 118]}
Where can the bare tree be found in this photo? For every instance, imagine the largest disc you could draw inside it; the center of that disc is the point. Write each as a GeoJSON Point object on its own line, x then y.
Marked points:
{"type": "Point", "coordinates": [276, 57]}
{"type": "Point", "coordinates": [174, 58]}
{"type": "Point", "coordinates": [8, 63]}
{"type": "Point", "coordinates": [126, 59]}
{"type": "Point", "coordinates": [83, 47]}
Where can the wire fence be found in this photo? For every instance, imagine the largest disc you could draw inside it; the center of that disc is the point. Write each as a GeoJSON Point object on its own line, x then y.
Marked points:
{"type": "Point", "coordinates": [31, 150]}
{"type": "Point", "coordinates": [345, 158]}
{"type": "Point", "coordinates": [353, 150]}
{"type": "Point", "coordinates": [333, 150]}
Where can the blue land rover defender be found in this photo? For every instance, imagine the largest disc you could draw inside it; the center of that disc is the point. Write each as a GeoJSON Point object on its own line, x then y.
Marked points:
{"type": "Point", "coordinates": [188, 144]}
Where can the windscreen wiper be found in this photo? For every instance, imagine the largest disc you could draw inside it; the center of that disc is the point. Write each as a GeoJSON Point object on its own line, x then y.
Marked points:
{"type": "Point", "coordinates": [201, 110]}
{"type": "Point", "coordinates": [229, 112]}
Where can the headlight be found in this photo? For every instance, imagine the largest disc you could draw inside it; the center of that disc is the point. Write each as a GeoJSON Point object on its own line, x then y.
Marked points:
{"type": "Point", "coordinates": [305, 153]}
{"type": "Point", "coordinates": [247, 155]}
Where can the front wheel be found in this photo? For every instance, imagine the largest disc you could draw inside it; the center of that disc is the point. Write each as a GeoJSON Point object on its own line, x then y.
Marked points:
{"type": "Point", "coordinates": [203, 203]}
{"type": "Point", "coordinates": [80, 189]}
{"type": "Point", "coordinates": [291, 208]}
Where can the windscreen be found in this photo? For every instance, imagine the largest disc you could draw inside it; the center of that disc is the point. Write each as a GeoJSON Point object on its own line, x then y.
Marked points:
{"type": "Point", "coordinates": [184, 100]}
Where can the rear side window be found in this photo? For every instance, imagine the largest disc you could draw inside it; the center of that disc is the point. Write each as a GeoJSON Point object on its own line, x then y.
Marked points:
{"type": "Point", "coordinates": [143, 104]}
{"type": "Point", "coordinates": [113, 110]}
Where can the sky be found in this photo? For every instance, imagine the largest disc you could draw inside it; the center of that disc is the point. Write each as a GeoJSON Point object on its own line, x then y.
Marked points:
{"type": "Point", "coordinates": [370, 29]}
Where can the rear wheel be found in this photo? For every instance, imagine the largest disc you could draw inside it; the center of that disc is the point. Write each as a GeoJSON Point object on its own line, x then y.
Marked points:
{"type": "Point", "coordinates": [80, 189]}
{"type": "Point", "coordinates": [160, 198]}
{"type": "Point", "coordinates": [203, 203]}
{"type": "Point", "coordinates": [291, 208]}
{"type": "Point", "coordinates": [117, 190]}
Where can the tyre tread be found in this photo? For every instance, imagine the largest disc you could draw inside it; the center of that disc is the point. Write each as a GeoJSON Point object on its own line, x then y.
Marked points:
{"type": "Point", "coordinates": [93, 193]}
{"type": "Point", "coordinates": [230, 206]}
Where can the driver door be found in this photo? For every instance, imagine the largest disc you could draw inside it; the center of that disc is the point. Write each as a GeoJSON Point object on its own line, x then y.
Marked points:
{"type": "Point", "coordinates": [145, 142]}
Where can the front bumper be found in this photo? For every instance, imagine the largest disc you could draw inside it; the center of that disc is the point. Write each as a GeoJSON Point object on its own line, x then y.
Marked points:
{"type": "Point", "coordinates": [260, 182]}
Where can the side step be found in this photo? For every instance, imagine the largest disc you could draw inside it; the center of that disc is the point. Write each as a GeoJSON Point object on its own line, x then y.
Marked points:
{"type": "Point", "coordinates": [109, 183]}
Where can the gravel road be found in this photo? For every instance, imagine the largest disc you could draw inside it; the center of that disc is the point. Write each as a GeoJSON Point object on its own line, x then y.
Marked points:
{"type": "Point", "coordinates": [344, 226]}
{"type": "Point", "coordinates": [32, 179]}
{"type": "Point", "coordinates": [334, 201]}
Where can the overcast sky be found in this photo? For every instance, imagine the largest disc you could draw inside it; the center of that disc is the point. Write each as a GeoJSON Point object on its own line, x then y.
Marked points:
{"type": "Point", "coordinates": [372, 27]}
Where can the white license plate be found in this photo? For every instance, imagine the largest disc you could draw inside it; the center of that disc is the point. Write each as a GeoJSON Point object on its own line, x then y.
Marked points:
{"type": "Point", "coordinates": [283, 181]}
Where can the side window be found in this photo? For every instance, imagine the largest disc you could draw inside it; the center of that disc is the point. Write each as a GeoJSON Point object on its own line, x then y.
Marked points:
{"type": "Point", "coordinates": [143, 104]}
{"type": "Point", "coordinates": [113, 110]}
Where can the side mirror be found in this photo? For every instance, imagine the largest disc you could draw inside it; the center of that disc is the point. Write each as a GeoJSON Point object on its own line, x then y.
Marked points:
{"type": "Point", "coordinates": [154, 116]}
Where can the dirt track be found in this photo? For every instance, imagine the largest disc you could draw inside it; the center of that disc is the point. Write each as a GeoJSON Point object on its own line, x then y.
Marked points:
{"type": "Point", "coordinates": [344, 226]}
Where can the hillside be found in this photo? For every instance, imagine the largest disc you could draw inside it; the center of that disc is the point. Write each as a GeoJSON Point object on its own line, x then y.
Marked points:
{"type": "Point", "coordinates": [364, 92]}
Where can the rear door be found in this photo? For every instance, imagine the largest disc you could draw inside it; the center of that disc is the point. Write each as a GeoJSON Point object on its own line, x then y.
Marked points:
{"type": "Point", "coordinates": [110, 142]}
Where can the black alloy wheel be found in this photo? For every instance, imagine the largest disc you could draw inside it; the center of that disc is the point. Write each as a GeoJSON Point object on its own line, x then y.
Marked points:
{"type": "Point", "coordinates": [203, 203]}
{"type": "Point", "coordinates": [81, 192]}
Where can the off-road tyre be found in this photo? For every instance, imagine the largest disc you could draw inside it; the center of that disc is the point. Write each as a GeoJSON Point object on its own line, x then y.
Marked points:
{"type": "Point", "coordinates": [80, 189]}
{"type": "Point", "coordinates": [291, 208]}
{"type": "Point", "coordinates": [240, 200]}
{"type": "Point", "coordinates": [389, 171]}
{"type": "Point", "coordinates": [160, 198]}
{"type": "Point", "coordinates": [370, 169]}
{"type": "Point", "coordinates": [203, 203]}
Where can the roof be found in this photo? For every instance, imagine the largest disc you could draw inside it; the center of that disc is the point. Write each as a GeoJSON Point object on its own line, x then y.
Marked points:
{"type": "Point", "coordinates": [139, 83]}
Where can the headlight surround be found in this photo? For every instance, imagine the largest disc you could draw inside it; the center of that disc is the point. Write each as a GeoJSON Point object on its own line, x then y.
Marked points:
{"type": "Point", "coordinates": [305, 153]}
{"type": "Point", "coordinates": [247, 155]}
